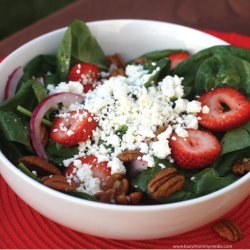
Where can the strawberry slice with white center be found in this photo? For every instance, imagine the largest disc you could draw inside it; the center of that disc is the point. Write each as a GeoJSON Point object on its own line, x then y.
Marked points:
{"type": "Point", "coordinates": [86, 74]}
{"type": "Point", "coordinates": [99, 170]}
{"type": "Point", "coordinates": [73, 127]}
{"type": "Point", "coordinates": [198, 150]}
{"type": "Point", "coordinates": [228, 109]}
{"type": "Point", "coordinates": [177, 58]}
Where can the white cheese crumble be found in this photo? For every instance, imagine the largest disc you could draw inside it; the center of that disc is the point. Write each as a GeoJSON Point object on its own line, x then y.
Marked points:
{"type": "Point", "coordinates": [125, 101]}
{"type": "Point", "coordinates": [72, 87]}
{"type": "Point", "coordinates": [205, 109]}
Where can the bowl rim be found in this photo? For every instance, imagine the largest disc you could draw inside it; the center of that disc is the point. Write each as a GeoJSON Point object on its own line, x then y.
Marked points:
{"type": "Point", "coordinates": [115, 207]}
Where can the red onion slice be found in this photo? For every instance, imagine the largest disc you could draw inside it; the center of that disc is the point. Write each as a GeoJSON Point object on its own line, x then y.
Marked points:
{"type": "Point", "coordinates": [39, 112]}
{"type": "Point", "coordinates": [12, 82]}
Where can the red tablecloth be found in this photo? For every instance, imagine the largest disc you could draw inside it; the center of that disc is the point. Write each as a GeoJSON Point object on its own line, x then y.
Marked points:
{"type": "Point", "coordinates": [23, 227]}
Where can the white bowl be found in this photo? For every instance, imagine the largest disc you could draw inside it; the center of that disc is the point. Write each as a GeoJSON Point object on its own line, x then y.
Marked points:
{"type": "Point", "coordinates": [130, 38]}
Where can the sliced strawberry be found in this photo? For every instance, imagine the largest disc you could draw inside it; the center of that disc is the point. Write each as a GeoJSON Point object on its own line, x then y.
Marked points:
{"type": "Point", "coordinates": [228, 109]}
{"type": "Point", "coordinates": [70, 170]}
{"type": "Point", "coordinates": [99, 170]}
{"type": "Point", "coordinates": [197, 150]}
{"type": "Point", "coordinates": [85, 73]}
{"type": "Point", "coordinates": [73, 127]}
{"type": "Point", "coordinates": [177, 58]}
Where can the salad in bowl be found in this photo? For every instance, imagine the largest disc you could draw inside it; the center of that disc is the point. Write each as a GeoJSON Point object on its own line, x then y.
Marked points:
{"type": "Point", "coordinates": [167, 126]}
{"type": "Point", "coordinates": [139, 125]}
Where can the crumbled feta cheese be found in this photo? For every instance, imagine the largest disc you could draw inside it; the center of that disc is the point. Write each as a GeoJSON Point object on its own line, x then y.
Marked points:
{"type": "Point", "coordinates": [116, 166]}
{"type": "Point", "coordinates": [125, 101]}
{"type": "Point", "coordinates": [166, 134]}
{"type": "Point", "coordinates": [181, 105]}
{"type": "Point", "coordinates": [161, 149]}
{"type": "Point", "coordinates": [193, 107]}
{"type": "Point", "coordinates": [205, 109]}
{"type": "Point", "coordinates": [181, 132]}
{"type": "Point", "coordinates": [149, 159]}
{"type": "Point", "coordinates": [72, 87]}
{"type": "Point", "coordinates": [191, 121]}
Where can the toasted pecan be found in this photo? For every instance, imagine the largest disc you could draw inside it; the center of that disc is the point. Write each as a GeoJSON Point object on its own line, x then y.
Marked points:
{"type": "Point", "coordinates": [133, 198]}
{"type": "Point", "coordinates": [166, 182]}
{"type": "Point", "coordinates": [227, 229]}
{"type": "Point", "coordinates": [117, 60]}
{"type": "Point", "coordinates": [129, 155]}
{"type": "Point", "coordinates": [41, 166]}
{"type": "Point", "coordinates": [242, 167]}
{"type": "Point", "coordinates": [59, 182]}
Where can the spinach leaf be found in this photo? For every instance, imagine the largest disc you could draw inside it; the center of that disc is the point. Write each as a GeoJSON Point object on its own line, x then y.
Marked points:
{"type": "Point", "coordinates": [121, 131]}
{"type": "Point", "coordinates": [83, 196]}
{"type": "Point", "coordinates": [39, 90]}
{"type": "Point", "coordinates": [159, 54]}
{"type": "Point", "coordinates": [15, 128]}
{"type": "Point", "coordinates": [53, 79]}
{"type": "Point", "coordinates": [63, 55]}
{"type": "Point", "coordinates": [24, 97]}
{"type": "Point", "coordinates": [190, 66]}
{"type": "Point", "coordinates": [140, 183]}
{"type": "Point", "coordinates": [247, 126]}
{"type": "Point", "coordinates": [223, 70]}
{"type": "Point", "coordinates": [235, 140]}
{"type": "Point", "coordinates": [13, 151]}
{"type": "Point", "coordinates": [39, 67]}
{"type": "Point", "coordinates": [157, 70]}
{"type": "Point", "coordinates": [57, 152]}
{"type": "Point", "coordinates": [223, 165]}
{"type": "Point", "coordinates": [208, 181]}
{"type": "Point", "coordinates": [25, 170]}
{"type": "Point", "coordinates": [85, 47]}
{"type": "Point", "coordinates": [181, 195]}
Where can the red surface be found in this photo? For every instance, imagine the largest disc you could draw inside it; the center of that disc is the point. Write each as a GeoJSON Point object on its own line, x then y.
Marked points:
{"type": "Point", "coordinates": [23, 227]}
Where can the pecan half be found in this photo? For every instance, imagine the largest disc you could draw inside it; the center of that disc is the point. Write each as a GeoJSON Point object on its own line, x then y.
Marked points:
{"type": "Point", "coordinates": [118, 72]}
{"type": "Point", "coordinates": [158, 131]}
{"type": "Point", "coordinates": [107, 196]}
{"type": "Point", "coordinates": [131, 199]}
{"type": "Point", "coordinates": [117, 60]}
{"type": "Point", "coordinates": [113, 186]}
{"type": "Point", "coordinates": [59, 182]}
{"type": "Point", "coordinates": [140, 60]}
{"type": "Point", "coordinates": [117, 63]}
{"type": "Point", "coordinates": [228, 230]}
{"type": "Point", "coordinates": [242, 167]}
{"type": "Point", "coordinates": [165, 183]}
{"type": "Point", "coordinates": [116, 181]}
{"type": "Point", "coordinates": [41, 166]}
{"type": "Point", "coordinates": [129, 155]}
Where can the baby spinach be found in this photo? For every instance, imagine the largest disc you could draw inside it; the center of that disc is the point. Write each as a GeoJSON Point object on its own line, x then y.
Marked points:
{"type": "Point", "coordinates": [191, 66]}
{"type": "Point", "coordinates": [223, 70]}
{"type": "Point", "coordinates": [208, 181]}
{"type": "Point", "coordinates": [83, 196]}
{"type": "Point", "coordinates": [234, 140]}
{"type": "Point", "coordinates": [158, 70]}
{"type": "Point", "coordinates": [64, 55]}
{"type": "Point", "coordinates": [24, 97]}
{"type": "Point", "coordinates": [79, 45]}
{"type": "Point", "coordinates": [140, 183]}
{"type": "Point", "coordinates": [159, 54]}
{"type": "Point", "coordinates": [26, 171]}
{"type": "Point", "coordinates": [57, 153]}
{"type": "Point", "coordinates": [15, 128]}
{"type": "Point", "coordinates": [223, 165]}
{"type": "Point", "coordinates": [39, 90]}
{"type": "Point", "coordinates": [39, 67]}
